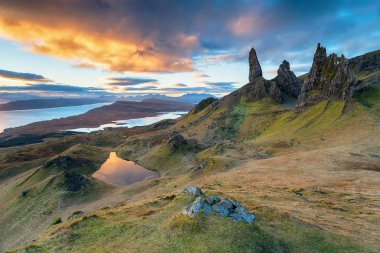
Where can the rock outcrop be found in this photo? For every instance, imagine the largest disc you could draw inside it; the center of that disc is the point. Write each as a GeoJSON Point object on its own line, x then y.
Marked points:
{"type": "Point", "coordinates": [369, 62]}
{"type": "Point", "coordinates": [287, 81]}
{"type": "Point", "coordinates": [193, 191]}
{"type": "Point", "coordinates": [74, 182]}
{"type": "Point", "coordinates": [203, 104]}
{"type": "Point", "coordinates": [328, 78]}
{"type": "Point", "coordinates": [66, 162]}
{"type": "Point", "coordinates": [366, 67]}
{"type": "Point", "coordinates": [254, 66]}
{"type": "Point", "coordinates": [284, 85]}
{"type": "Point", "coordinates": [177, 142]}
{"type": "Point", "coordinates": [223, 207]}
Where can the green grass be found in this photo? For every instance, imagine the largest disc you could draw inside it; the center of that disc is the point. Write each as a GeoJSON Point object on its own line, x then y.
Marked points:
{"type": "Point", "coordinates": [370, 98]}
{"type": "Point", "coordinates": [56, 221]}
{"type": "Point", "coordinates": [153, 227]}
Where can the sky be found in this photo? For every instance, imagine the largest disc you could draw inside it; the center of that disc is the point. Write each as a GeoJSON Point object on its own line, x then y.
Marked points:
{"type": "Point", "coordinates": [82, 48]}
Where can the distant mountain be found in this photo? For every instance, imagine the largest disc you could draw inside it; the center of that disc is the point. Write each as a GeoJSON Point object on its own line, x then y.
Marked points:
{"type": "Point", "coordinates": [191, 98]}
{"type": "Point", "coordinates": [49, 103]}
{"type": "Point", "coordinates": [6, 97]}
{"type": "Point", "coordinates": [13, 102]}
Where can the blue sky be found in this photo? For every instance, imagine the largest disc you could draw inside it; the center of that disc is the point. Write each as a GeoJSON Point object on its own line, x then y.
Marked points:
{"type": "Point", "coordinates": [169, 46]}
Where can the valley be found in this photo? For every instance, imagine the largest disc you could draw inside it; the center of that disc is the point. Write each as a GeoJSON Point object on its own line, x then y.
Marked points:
{"type": "Point", "coordinates": [118, 111]}
{"type": "Point", "coordinates": [302, 155]}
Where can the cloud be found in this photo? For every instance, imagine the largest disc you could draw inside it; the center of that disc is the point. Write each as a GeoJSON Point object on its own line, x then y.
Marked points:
{"type": "Point", "coordinates": [84, 65]}
{"type": "Point", "coordinates": [200, 75]}
{"type": "Point", "coordinates": [129, 81]}
{"type": "Point", "coordinates": [228, 86]}
{"type": "Point", "coordinates": [179, 85]}
{"type": "Point", "coordinates": [53, 88]}
{"type": "Point", "coordinates": [23, 76]}
{"type": "Point", "coordinates": [175, 36]}
{"type": "Point", "coordinates": [209, 87]}
{"type": "Point", "coordinates": [144, 88]}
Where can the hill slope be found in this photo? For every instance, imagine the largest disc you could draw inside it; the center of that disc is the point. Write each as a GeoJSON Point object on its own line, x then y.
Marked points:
{"type": "Point", "coordinates": [310, 177]}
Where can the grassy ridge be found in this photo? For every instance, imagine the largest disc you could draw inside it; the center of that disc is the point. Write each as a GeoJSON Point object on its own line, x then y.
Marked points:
{"type": "Point", "coordinates": [158, 226]}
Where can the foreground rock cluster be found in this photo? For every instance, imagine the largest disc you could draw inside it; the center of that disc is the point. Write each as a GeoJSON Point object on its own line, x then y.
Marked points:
{"type": "Point", "coordinates": [223, 207]}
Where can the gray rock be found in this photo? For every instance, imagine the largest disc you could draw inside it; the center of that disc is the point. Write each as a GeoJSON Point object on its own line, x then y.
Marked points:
{"type": "Point", "coordinates": [76, 214]}
{"type": "Point", "coordinates": [286, 84]}
{"type": "Point", "coordinates": [223, 207]}
{"type": "Point", "coordinates": [287, 81]}
{"type": "Point", "coordinates": [275, 92]}
{"type": "Point", "coordinates": [177, 142]}
{"type": "Point", "coordinates": [194, 191]}
{"type": "Point", "coordinates": [212, 200]}
{"type": "Point", "coordinates": [369, 62]}
{"type": "Point", "coordinates": [24, 193]}
{"type": "Point", "coordinates": [254, 66]}
{"type": "Point", "coordinates": [329, 77]}
{"type": "Point", "coordinates": [67, 162]}
{"type": "Point", "coordinates": [198, 206]}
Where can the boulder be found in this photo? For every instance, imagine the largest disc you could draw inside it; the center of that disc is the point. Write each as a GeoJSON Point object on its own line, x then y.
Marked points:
{"type": "Point", "coordinates": [221, 206]}
{"type": "Point", "coordinates": [198, 206]}
{"type": "Point", "coordinates": [193, 191]}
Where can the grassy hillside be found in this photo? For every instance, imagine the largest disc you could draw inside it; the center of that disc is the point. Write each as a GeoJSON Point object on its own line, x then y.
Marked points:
{"type": "Point", "coordinates": [158, 226]}
{"type": "Point", "coordinates": [310, 177]}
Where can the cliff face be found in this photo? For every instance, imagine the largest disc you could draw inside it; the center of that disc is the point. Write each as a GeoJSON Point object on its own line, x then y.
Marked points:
{"type": "Point", "coordinates": [329, 77]}
{"type": "Point", "coordinates": [366, 67]}
{"type": "Point", "coordinates": [367, 62]}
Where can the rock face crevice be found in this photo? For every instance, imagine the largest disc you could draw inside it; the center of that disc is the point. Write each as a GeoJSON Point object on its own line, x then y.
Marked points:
{"type": "Point", "coordinates": [328, 78]}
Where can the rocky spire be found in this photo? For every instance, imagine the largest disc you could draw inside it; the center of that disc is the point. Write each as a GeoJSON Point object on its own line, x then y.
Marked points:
{"type": "Point", "coordinates": [254, 66]}
{"type": "Point", "coordinates": [329, 77]}
{"type": "Point", "coordinates": [287, 81]}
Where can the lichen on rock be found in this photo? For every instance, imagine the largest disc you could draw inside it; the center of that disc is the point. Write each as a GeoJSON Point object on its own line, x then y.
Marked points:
{"type": "Point", "coordinates": [328, 78]}
{"type": "Point", "coordinates": [222, 206]}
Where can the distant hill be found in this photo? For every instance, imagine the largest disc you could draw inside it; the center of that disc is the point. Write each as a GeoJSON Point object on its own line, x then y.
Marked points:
{"type": "Point", "coordinates": [191, 98]}
{"type": "Point", "coordinates": [120, 110]}
{"type": "Point", "coordinates": [48, 103]}
{"type": "Point", "coordinates": [40, 103]}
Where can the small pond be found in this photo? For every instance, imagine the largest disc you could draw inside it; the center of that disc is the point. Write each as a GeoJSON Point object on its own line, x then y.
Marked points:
{"type": "Point", "coordinates": [119, 172]}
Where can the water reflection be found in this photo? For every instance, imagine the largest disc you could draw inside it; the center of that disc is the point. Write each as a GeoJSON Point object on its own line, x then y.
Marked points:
{"type": "Point", "coordinates": [119, 172]}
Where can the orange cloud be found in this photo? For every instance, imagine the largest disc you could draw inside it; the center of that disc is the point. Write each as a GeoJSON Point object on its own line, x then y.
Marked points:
{"type": "Point", "coordinates": [111, 52]}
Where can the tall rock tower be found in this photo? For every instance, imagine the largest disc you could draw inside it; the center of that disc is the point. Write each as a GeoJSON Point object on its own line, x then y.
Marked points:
{"type": "Point", "coordinates": [254, 66]}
